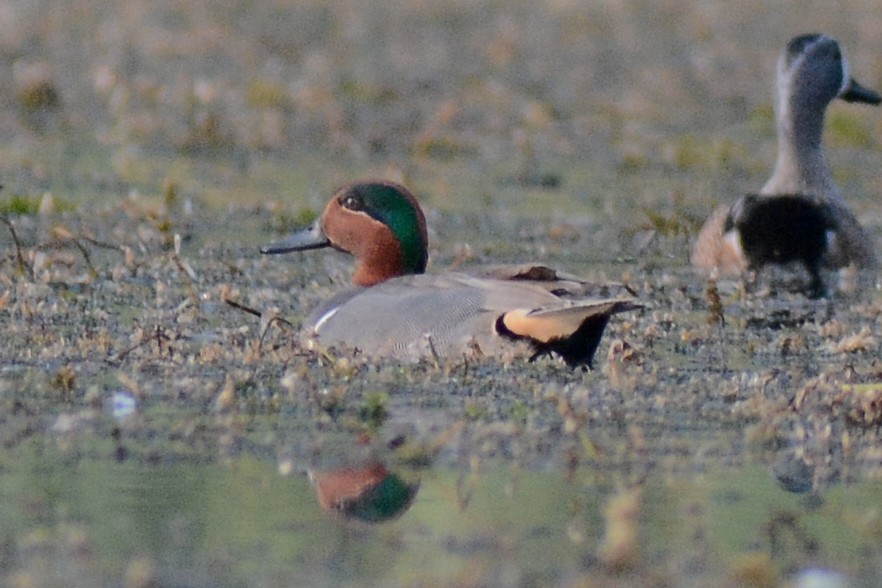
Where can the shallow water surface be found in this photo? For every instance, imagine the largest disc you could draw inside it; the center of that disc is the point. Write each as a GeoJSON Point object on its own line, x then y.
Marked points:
{"type": "Point", "coordinates": [86, 522]}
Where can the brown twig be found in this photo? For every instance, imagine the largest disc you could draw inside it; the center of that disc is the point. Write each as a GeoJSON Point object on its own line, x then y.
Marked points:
{"type": "Point", "coordinates": [87, 256]}
{"type": "Point", "coordinates": [257, 313]}
{"type": "Point", "coordinates": [184, 267]}
{"type": "Point", "coordinates": [269, 323]}
{"type": "Point", "coordinates": [266, 328]}
{"type": "Point", "coordinates": [22, 264]}
{"type": "Point", "coordinates": [157, 334]}
{"type": "Point", "coordinates": [102, 244]}
{"type": "Point", "coordinates": [243, 308]}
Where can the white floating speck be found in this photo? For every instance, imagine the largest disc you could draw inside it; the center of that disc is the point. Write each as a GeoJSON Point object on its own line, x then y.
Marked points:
{"type": "Point", "coordinates": [121, 404]}
{"type": "Point", "coordinates": [821, 578]}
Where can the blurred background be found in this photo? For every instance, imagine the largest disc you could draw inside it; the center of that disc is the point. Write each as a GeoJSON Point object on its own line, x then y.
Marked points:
{"type": "Point", "coordinates": [475, 103]}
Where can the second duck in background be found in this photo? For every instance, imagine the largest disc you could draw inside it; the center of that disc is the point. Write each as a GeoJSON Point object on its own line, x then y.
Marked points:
{"type": "Point", "coordinates": [395, 310]}
{"type": "Point", "coordinates": [799, 215]}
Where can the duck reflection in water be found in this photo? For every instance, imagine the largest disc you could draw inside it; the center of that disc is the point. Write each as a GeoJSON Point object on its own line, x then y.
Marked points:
{"type": "Point", "coordinates": [366, 492]}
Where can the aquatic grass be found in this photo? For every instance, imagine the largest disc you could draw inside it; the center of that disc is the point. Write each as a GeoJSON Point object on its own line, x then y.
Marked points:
{"type": "Point", "coordinates": [444, 147]}
{"type": "Point", "coordinates": [266, 94]}
{"type": "Point", "coordinates": [519, 412]}
{"type": "Point", "coordinates": [38, 94]}
{"type": "Point", "coordinates": [19, 204]}
{"type": "Point", "coordinates": [475, 412]}
{"type": "Point", "coordinates": [677, 221]}
{"type": "Point", "coordinates": [374, 409]}
{"type": "Point", "coordinates": [763, 116]}
{"type": "Point", "coordinates": [709, 155]}
{"type": "Point", "coordinates": [64, 381]}
{"type": "Point", "coordinates": [284, 222]}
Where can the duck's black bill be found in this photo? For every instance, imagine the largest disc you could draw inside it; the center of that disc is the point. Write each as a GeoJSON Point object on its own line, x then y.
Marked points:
{"type": "Point", "coordinates": [855, 92]}
{"type": "Point", "coordinates": [311, 238]}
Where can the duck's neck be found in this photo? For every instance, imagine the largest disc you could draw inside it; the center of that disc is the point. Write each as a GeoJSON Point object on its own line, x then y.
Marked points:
{"type": "Point", "coordinates": [382, 257]}
{"type": "Point", "coordinates": [373, 269]}
{"type": "Point", "coordinates": [802, 166]}
{"type": "Point", "coordinates": [371, 275]}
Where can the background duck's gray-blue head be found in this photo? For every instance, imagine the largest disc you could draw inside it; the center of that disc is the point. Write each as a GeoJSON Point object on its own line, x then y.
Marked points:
{"type": "Point", "coordinates": [813, 70]}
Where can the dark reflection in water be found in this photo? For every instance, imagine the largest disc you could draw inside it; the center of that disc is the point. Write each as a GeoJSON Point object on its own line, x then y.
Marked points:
{"type": "Point", "coordinates": [794, 472]}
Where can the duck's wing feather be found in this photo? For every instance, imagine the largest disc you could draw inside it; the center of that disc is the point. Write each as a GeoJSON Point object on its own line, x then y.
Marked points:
{"type": "Point", "coordinates": [572, 331]}
{"type": "Point", "coordinates": [849, 244]}
{"type": "Point", "coordinates": [718, 248]}
{"type": "Point", "coordinates": [559, 283]}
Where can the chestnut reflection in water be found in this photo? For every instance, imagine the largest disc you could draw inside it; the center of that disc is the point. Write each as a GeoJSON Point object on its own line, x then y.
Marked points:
{"type": "Point", "coordinates": [369, 493]}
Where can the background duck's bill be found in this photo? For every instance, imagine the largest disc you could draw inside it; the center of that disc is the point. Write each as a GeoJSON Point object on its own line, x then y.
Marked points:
{"type": "Point", "coordinates": [855, 92]}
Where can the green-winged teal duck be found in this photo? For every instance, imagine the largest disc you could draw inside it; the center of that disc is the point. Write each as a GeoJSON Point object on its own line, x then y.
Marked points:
{"type": "Point", "coordinates": [799, 215]}
{"type": "Point", "coordinates": [395, 310]}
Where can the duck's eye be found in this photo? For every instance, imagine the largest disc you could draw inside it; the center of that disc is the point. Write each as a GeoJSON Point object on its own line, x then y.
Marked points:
{"type": "Point", "coordinates": [351, 202]}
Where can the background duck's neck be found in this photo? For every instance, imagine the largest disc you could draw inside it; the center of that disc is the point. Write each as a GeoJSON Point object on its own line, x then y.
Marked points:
{"type": "Point", "coordinates": [802, 166]}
